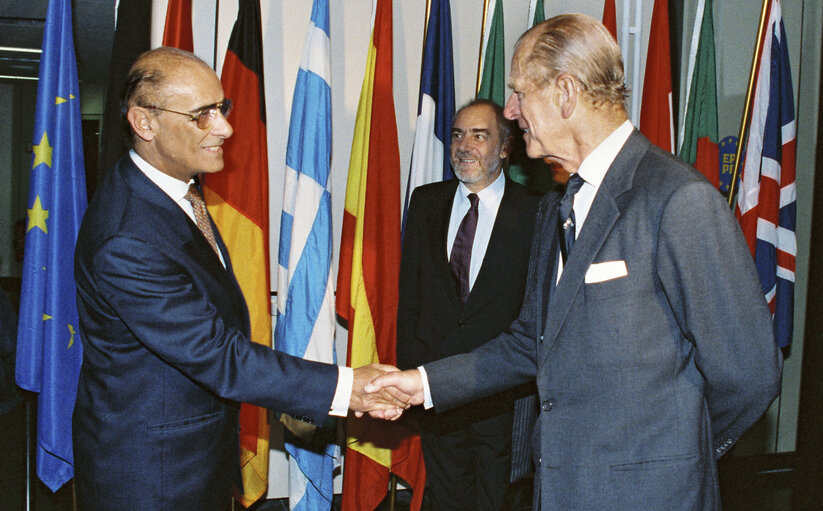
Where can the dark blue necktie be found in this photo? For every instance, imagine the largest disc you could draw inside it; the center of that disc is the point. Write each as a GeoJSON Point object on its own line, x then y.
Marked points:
{"type": "Point", "coordinates": [567, 222]}
{"type": "Point", "coordinates": [461, 255]}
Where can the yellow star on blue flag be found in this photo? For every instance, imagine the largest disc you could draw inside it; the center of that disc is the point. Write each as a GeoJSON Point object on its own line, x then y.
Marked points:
{"type": "Point", "coordinates": [37, 216]}
{"type": "Point", "coordinates": [42, 152]}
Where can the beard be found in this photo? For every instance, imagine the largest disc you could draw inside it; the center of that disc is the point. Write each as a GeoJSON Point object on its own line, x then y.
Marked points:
{"type": "Point", "coordinates": [482, 169]}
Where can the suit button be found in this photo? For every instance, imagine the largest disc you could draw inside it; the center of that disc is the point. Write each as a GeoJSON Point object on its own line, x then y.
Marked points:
{"type": "Point", "coordinates": [547, 404]}
{"type": "Point", "coordinates": [460, 324]}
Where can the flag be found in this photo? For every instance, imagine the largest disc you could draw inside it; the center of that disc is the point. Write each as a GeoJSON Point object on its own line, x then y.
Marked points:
{"type": "Point", "coordinates": [305, 305]}
{"type": "Point", "coordinates": [656, 106]}
{"type": "Point", "coordinates": [238, 201]}
{"type": "Point", "coordinates": [493, 56]}
{"type": "Point", "coordinates": [766, 202]}
{"type": "Point", "coordinates": [610, 18]}
{"type": "Point", "coordinates": [49, 351]}
{"type": "Point", "coordinates": [177, 31]}
{"type": "Point", "coordinates": [367, 280]}
{"type": "Point", "coordinates": [431, 160]}
{"type": "Point", "coordinates": [536, 12]}
{"type": "Point", "coordinates": [131, 38]}
{"type": "Point", "coordinates": [698, 136]}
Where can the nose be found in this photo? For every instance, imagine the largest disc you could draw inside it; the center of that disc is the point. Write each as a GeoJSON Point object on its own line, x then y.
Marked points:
{"type": "Point", "coordinates": [221, 126]}
{"type": "Point", "coordinates": [512, 110]}
{"type": "Point", "coordinates": [463, 144]}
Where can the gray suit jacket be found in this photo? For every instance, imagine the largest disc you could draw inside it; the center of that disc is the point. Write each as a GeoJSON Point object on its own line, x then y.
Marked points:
{"type": "Point", "coordinates": [646, 378]}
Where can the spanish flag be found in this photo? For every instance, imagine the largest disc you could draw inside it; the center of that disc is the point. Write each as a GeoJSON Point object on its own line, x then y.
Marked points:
{"type": "Point", "coordinates": [238, 201]}
{"type": "Point", "coordinates": [367, 291]}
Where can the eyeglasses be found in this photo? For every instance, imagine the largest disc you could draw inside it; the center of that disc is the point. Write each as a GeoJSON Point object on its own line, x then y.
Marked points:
{"type": "Point", "coordinates": [205, 116]}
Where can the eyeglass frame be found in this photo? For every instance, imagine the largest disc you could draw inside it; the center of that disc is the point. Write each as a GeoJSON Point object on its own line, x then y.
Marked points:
{"type": "Point", "coordinates": [208, 113]}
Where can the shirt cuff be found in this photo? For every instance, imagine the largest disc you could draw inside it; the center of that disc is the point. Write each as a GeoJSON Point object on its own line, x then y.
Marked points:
{"type": "Point", "coordinates": [342, 395]}
{"type": "Point", "coordinates": [427, 393]}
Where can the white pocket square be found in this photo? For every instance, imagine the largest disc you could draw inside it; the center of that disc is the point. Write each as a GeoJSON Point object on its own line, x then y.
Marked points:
{"type": "Point", "coordinates": [601, 272]}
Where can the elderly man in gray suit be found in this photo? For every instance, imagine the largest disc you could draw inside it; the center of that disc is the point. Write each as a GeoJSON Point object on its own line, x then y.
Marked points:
{"type": "Point", "coordinates": [655, 351]}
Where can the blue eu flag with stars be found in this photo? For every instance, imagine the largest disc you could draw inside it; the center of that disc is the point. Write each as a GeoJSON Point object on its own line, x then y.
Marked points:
{"type": "Point", "coordinates": [49, 352]}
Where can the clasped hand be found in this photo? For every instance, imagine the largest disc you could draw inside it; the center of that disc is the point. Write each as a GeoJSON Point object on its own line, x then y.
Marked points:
{"type": "Point", "coordinates": [384, 392]}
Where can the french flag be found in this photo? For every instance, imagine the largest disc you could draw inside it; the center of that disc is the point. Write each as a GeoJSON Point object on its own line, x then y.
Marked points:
{"type": "Point", "coordinates": [766, 202]}
{"type": "Point", "coordinates": [431, 160]}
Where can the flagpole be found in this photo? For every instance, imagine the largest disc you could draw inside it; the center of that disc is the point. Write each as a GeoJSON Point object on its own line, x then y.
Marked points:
{"type": "Point", "coordinates": [216, 20]}
{"type": "Point", "coordinates": [29, 451]}
{"type": "Point", "coordinates": [425, 34]}
{"type": "Point", "coordinates": [480, 55]}
{"type": "Point", "coordinates": [426, 25]}
{"type": "Point", "coordinates": [747, 106]}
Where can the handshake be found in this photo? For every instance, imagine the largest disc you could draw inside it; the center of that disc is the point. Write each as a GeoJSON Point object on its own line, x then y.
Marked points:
{"type": "Point", "coordinates": [384, 391]}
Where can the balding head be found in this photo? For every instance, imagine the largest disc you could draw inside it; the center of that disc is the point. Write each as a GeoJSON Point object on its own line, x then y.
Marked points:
{"type": "Point", "coordinates": [150, 77]}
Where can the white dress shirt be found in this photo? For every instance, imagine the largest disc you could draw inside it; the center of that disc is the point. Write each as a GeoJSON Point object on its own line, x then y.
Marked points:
{"type": "Point", "coordinates": [176, 190]}
{"type": "Point", "coordinates": [488, 203]}
{"type": "Point", "coordinates": [592, 170]}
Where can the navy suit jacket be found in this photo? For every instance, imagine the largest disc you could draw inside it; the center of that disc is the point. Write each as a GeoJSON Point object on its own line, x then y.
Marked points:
{"type": "Point", "coordinates": [644, 378]}
{"type": "Point", "coordinates": [167, 357]}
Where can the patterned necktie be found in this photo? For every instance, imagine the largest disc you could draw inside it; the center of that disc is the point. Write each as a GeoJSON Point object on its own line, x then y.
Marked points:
{"type": "Point", "coordinates": [567, 221]}
{"type": "Point", "coordinates": [461, 256]}
{"type": "Point", "coordinates": [201, 217]}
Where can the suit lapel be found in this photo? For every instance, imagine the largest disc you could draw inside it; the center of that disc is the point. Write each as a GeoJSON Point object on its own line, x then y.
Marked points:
{"type": "Point", "coordinates": [499, 245]}
{"type": "Point", "coordinates": [182, 231]}
{"type": "Point", "coordinates": [602, 217]}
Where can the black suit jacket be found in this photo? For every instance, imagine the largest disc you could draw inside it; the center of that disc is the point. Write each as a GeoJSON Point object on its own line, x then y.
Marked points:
{"type": "Point", "coordinates": [432, 323]}
{"type": "Point", "coordinates": [167, 357]}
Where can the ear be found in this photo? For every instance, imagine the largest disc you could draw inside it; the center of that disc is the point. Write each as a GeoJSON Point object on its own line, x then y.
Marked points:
{"type": "Point", "coordinates": [568, 94]}
{"type": "Point", "coordinates": [140, 121]}
{"type": "Point", "coordinates": [504, 151]}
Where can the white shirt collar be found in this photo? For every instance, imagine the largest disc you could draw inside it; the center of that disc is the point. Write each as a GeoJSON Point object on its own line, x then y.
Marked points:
{"type": "Point", "coordinates": [173, 187]}
{"type": "Point", "coordinates": [594, 166]}
{"type": "Point", "coordinates": [489, 196]}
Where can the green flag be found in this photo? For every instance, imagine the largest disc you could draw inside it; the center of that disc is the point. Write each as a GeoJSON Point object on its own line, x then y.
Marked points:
{"type": "Point", "coordinates": [493, 56]}
{"type": "Point", "coordinates": [536, 12]}
{"type": "Point", "coordinates": [532, 173]}
{"type": "Point", "coordinates": [698, 141]}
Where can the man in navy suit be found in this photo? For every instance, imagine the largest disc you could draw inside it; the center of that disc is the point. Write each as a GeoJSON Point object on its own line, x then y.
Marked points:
{"type": "Point", "coordinates": [654, 351]}
{"type": "Point", "coordinates": [165, 330]}
{"type": "Point", "coordinates": [468, 450]}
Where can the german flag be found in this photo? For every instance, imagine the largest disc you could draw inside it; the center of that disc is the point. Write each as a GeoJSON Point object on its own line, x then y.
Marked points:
{"type": "Point", "coordinates": [238, 201]}
{"type": "Point", "coordinates": [367, 292]}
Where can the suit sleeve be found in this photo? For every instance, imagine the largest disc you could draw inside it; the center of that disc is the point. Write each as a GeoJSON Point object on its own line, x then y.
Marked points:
{"type": "Point", "coordinates": [711, 283]}
{"type": "Point", "coordinates": [162, 307]}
